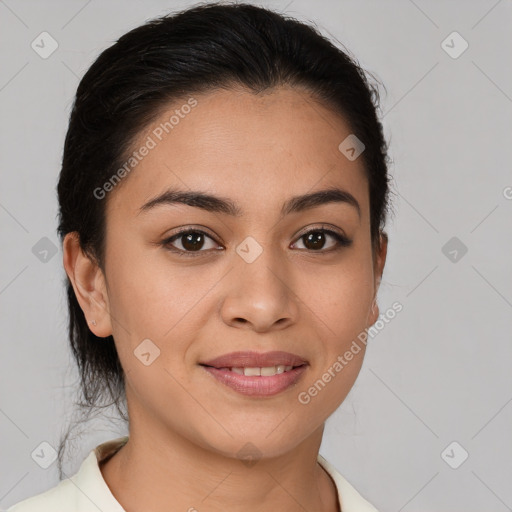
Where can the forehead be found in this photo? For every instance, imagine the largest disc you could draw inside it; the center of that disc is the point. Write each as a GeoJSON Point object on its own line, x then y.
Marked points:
{"type": "Point", "coordinates": [257, 149]}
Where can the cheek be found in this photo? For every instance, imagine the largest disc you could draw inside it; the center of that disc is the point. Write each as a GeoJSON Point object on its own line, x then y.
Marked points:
{"type": "Point", "coordinates": [145, 293]}
{"type": "Point", "coordinates": [166, 395]}
{"type": "Point", "coordinates": [151, 298]}
{"type": "Point", "coordinates": [340, 296]}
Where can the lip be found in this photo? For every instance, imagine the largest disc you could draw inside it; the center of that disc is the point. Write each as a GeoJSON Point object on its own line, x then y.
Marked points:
{"type": "Point", "coordinates": [245, 359]}
{"type": "Point", "coordinates": [256, 386]}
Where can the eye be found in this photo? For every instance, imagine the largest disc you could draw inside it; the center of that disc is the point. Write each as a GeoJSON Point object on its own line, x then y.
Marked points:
{"type": "Point", "coordinates": [191, 241]}
{"type": "Point", "coordinates": [315, 240]}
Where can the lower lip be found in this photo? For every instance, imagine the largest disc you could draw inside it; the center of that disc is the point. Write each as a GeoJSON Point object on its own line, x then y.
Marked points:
{"type": "Point", "coordinates": [255, 385]}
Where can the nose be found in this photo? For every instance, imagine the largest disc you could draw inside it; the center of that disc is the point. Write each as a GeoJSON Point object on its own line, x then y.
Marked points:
{"type": "Point", "coordinates": [260, 295]}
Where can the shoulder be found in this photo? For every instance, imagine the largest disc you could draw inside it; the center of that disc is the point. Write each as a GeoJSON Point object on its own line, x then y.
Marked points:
{"type": "Point", "coordinates": [349, 497]}
{"type": "Point", "coordinates": [85, 491]}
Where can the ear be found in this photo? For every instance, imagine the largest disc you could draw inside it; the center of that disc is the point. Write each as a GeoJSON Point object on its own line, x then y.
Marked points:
{"type": "Point", "coordinates": [89, 285]}
{"type": "Point", "coordinates": [380, 261]}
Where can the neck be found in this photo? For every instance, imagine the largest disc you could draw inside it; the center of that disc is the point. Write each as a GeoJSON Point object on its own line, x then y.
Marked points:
{"type": "Point", "coordinates": [167, 472]}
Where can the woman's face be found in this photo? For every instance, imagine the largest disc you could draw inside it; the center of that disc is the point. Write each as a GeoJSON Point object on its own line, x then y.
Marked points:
{"type": "Point", "coordinates": [254, 281]}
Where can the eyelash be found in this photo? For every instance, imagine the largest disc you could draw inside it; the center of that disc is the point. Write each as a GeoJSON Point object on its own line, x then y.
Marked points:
{"type": "Point", "coordinates": [342, 241]}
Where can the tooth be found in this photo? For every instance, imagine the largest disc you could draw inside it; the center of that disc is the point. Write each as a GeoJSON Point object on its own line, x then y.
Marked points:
{"type": "Point", "coordinates": [268, 371]}
{"type": "Point", "coordinates": [252, 371]}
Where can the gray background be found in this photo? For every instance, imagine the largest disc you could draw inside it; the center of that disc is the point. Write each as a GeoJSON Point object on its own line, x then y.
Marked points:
{"type": "Point", "coordinates": [439, 372]}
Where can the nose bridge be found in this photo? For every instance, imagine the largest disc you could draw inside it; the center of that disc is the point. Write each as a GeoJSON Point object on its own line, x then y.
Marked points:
{"type": "Point", "coordinates": [260, 267]}
{"type": "Point", "coordinates": [260, 292]}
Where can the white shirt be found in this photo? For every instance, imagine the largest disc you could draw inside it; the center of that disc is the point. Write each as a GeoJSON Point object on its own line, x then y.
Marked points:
{"type": "Point", "coordinates": [87, 491]}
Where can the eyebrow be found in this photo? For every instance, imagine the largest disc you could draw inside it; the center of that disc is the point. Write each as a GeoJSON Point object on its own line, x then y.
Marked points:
{"type": "Point", "coordinates": [225, 205]}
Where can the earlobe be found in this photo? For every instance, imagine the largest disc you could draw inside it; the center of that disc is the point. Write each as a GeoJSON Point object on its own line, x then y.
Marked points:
{"type": "Point", "coordinates": [88, 284]}
{"type": "Point", "coordinates": [374, 313]}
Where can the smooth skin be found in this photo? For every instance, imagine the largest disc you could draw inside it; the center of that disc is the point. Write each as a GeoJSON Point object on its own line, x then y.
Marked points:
{"type": "Point", "coordinates": [186, 428]}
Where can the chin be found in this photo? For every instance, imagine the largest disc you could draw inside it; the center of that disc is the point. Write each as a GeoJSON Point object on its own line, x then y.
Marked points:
{"type": "Point", "coordinates": [255, 444]}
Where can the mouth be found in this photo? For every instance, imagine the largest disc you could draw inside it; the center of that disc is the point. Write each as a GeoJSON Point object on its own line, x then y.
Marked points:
{"type": "Point", "coordinates": [249, 359]}
{"type": "Point", "coordinates": [252, 371]}
{"type": "Point", "coordinates": [255, 374]}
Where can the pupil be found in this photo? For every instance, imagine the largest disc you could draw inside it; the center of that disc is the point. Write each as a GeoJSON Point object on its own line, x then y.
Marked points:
{"type": "Point", "coordinates": [194, 239]}
{"type": "Point", "coordinates": [317, 239]}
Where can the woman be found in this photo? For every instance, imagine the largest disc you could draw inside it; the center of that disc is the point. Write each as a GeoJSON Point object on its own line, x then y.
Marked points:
{"type": "Point", "coordinates": [222, 196]}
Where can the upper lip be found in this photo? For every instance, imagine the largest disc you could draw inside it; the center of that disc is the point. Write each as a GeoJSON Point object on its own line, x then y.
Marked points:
{"type": "Point", "coordinates": [244, 359]}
